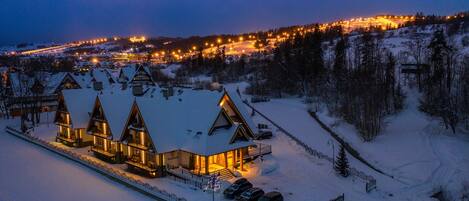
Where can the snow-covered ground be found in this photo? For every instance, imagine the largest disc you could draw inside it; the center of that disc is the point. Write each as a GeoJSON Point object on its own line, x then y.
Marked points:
{"type": "Point", "coordinates": [415, 149]}
{"type": "Point", "coordinates": [30, 173]}
{"type": "Point", "coordinates": [421, 155]}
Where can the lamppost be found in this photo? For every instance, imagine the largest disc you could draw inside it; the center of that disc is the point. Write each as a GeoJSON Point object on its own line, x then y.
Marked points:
{"type": "Point", "coordinates": [213, 184]}
{"type": "Point", "coordinates": [331, 143]}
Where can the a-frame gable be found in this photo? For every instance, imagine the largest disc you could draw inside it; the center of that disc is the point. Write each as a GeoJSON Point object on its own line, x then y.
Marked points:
{"type": "Point", "coordinates": [98, 113]}
{"type": "Point", "coordinates": [239, 135]}
{"type": "Point", "coordinates": [122, 76]}
{"type": "Point", "coordinates": [222, 121]}
{"type": "Point", "coordinates": [227, 102]}
{"type": "Point", "coordinates": [68, 82]}
{"type": "Point", "coordinates": [136, 115]}
{"type": "Point", "coordinates": [141, 75]}
{"type": "Point", "coordinates": [61, 107]}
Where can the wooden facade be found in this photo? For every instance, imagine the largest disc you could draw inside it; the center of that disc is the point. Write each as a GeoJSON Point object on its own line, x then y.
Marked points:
{"type": "Point", "coordinates": [133, 144]}
{"type": "Point", "coordinates": [104, 145]}
{"type": "Point", "coordinates": [141, 155]}
{"type": "Point", "coordinates": [141, 77]}
{"type": "Point", "coordinates": [144, 158]}
{"type": "Point", "coordinates": [68, 82]}
{"type": "Point", "coordinates": [66, 133]}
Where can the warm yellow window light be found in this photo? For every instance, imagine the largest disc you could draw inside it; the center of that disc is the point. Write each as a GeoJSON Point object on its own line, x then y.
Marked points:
{"type": "Point", "coordinates": [104, 129]}
{"type": "Point", "coordinates": [67, 117]}
{"type": "Point", "coordinates": [142, 137]}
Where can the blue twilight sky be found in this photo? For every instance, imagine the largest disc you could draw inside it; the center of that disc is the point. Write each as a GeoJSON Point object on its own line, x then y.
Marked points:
{"type": "Point", "coordinates": [65, 20]}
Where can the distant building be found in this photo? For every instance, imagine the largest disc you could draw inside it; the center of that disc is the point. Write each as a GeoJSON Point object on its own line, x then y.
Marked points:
{"type": "Point", "coordinates": [21, 97]}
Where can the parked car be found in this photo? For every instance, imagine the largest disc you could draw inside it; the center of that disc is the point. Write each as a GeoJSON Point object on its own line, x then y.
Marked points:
{"type": "Point", "coordinates": [271, 196]}
{"type": "Point", "coordinates": [251, 194]}
{"type": "Point", "coordinates": [264, 134]}
{"type": "Point", "coordinates": [237, 188]}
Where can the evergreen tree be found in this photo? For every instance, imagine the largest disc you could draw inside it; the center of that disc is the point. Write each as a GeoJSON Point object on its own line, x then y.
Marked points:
{"type": "Point", "coordinates": [341, 163]}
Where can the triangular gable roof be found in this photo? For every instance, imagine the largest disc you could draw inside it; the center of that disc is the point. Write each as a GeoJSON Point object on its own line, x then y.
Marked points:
{"type": "Point", "coordinates": [241, 108]}
{"type": "Point", "coordinates": [83, 79]}
{"type": "Point", "coordinates": [79, 103]}
{"type": "Point", "coordinates": [183, 122]}
{"type": "Point", "coordinates": [116, 108]}
{"type": "Point", "coordinates": [142, 69]}
{"type": "Point", "coordinates": [65, 77]}
{"type": "Point", "coordinates": [126, 74]}
{"type": "Point", "coordinates": [102, 75]}
{"type": "Point", "coordinates": [21, 83]}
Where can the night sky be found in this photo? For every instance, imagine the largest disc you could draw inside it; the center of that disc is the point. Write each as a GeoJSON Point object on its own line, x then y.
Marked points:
{"type": "Point", "coordinates": [65, 20]}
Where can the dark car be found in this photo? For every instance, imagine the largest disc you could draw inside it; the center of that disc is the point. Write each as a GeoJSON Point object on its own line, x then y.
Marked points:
{"type": "Point", "coordinates": [264, 134]}
{"type": "Point", "coordinates": [272, 196]}
{"type": "Point", "coordinates": [251, 194]}
{"type": "Point", "coordinates": [237, 188]}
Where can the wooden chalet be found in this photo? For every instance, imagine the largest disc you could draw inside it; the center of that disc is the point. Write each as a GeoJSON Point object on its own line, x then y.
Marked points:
{"type": "Point", "coordinates": [21, 93]}
{"type": "Point", "coordinates": [135, 75]}
{"type": "Point", "coordinates": [68, 82]}
{"type": "Point", "coordinates": [201, 131]}
{"type": "Point", "coordinates": [106, 125]}
{"type": "Point", "coordinates": [72, 117]}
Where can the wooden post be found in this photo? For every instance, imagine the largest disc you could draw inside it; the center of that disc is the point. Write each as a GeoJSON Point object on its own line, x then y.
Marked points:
{"type": "Point", "coordinates": [241, 159]}
{"type": "Point", "coordinates": [226, 159]}
{"type": "Point", "coordinates": [199, 164]}
{"type": "Point", "coordinates": [234, 159]}
{"type": "Point", "coordinates": [206, 164]}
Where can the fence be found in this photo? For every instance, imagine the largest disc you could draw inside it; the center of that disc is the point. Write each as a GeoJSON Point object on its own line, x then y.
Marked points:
{"type": "Point", "coordinates": [259, 150]}
{"type": "Point", "coordinates": [115, 174]}
{"type": "Point", "coordinates": [187, 177]}
{"type": "Point", "coordinates": [313, 152]}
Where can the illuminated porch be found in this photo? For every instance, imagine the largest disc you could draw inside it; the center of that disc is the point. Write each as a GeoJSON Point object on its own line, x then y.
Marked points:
{"type": "Point", "coordinates": [231, 160]}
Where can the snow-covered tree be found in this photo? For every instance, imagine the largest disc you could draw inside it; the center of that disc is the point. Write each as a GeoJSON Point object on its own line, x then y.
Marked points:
{"type": "Point", "coordinates": [341, 163]}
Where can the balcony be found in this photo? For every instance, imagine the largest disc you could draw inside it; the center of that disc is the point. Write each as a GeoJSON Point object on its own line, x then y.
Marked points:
{"type": "Point", "coordinates": [98, 118]}
{"type": "Point", "coordinates": [137, 164]}
{"type": "Point", "coordinates": [109, 154]}
{"type": "Point", "coordinates": [136, 127]}
{"type": "Point", "coordinates": [64, 137]}
{"type": "Point", "coordinates": [137, 145]}
{"type": "Point", "coordinates": [94, 130]}
{"type": "Point", "coordinates": [61, 121]}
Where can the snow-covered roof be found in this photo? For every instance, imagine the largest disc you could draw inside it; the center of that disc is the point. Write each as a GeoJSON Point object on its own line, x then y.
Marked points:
{"type": "Point", "coordinates": [126, 73]}
{"type": "Point", "coordinates": [104, 76]}
{"type": "Point", "coordinates": [83, 79]}
{"type": "Point", "coordinates": [183, 122]}
{"type": "Point", "coordinates": [79, 103]}
{"type": "Point", "coordinates": [21, 83]}
{"type": "Point", "coordinates": [116, 107]}
{"type": "Point", "coordinates": [243, 110]}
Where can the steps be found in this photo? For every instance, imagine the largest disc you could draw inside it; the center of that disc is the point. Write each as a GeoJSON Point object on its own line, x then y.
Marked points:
{"type": "Point", "coordinates": [225, 174]}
